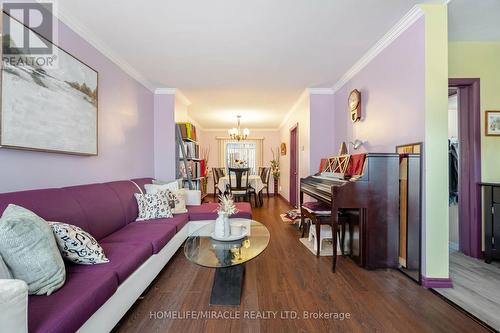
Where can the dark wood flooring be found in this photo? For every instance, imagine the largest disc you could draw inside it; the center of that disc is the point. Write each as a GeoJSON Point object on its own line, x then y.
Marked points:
{"type": "Point", "coordinates": [287, 277]}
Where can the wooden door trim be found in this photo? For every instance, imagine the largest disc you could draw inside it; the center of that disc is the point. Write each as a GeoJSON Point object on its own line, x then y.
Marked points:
{"type": "Point", "coordinates": [469, 215]}
{"type": "Point", "coordinates": [296, 182]}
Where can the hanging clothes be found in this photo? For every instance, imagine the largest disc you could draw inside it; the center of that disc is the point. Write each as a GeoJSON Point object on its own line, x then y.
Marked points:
{"type": "Point", "coordinates": [453, 170]}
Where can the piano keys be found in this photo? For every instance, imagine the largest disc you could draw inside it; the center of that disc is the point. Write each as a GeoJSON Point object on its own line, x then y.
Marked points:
{"type": "Point", "coordinates": [371, 200]}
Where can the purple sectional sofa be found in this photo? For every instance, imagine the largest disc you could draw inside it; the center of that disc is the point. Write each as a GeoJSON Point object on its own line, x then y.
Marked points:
{"type": "Point", "coordinates": [108, 211]}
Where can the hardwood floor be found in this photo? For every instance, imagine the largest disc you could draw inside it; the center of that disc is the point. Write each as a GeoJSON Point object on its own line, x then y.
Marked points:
{"type": "Point", "coordinates": [475, 287]}
{"type": "Point", "coordinates": [287, 277]}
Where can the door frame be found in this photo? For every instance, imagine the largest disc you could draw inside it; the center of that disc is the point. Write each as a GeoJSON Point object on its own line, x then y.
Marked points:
{"type": "Point", "coordinates": [469, 177]}
{"type": "Point", "coordinates": [294, 149]}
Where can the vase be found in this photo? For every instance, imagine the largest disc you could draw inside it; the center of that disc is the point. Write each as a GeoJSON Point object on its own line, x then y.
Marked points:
{"type": "Point", "coordinates": [276, 187]}
{"type": "Point", "coordinates": [227, 226]}
{"type": "Point", "coordinates": [220, 227]}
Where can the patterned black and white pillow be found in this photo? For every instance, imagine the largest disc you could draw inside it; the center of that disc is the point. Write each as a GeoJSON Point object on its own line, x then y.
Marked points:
{"type": "Point", "coordinates": [77, 245]}
{"type": "Point", "coordinates": [153, 206]}
{"type": "Point", "coordinates": [177, 201]}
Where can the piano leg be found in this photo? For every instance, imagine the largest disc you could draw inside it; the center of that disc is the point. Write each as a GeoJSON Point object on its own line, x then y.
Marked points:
{"type": "Point", "coordinates": [334, 220]}
{"type": "Point", "coordinates": [342, 236]}
{"type": "Point", "coordinates": [317, 225]}
{"type": "Point", "coordinates": [302, 222]}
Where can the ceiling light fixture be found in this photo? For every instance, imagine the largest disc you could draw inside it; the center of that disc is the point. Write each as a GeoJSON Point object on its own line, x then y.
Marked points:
{"type": "Point", "coordinates": [237, 134]}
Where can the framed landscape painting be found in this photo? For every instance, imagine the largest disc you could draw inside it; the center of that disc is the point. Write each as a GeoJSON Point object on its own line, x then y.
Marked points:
{"type": "Point", "coordinates": [48, 108]}
{"type": "Point", "coordinates": [493, 123]}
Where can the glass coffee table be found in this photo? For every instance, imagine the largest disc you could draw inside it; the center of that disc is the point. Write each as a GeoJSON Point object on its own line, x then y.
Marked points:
{"type": "Point", "coordinates": [228, 258]}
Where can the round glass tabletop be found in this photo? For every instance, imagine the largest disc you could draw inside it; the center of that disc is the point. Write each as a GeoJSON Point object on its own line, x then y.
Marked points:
{"type": "Point", "coordinates": [201, 249]}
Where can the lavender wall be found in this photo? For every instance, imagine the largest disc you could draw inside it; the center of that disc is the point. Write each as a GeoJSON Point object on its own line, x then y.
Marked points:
{"type": "Point", "coordinates": [125, 133]}
{"type": "Point", "coordinates": [393, 96]}
{"type": "Point", "coordinates": [164, 137]}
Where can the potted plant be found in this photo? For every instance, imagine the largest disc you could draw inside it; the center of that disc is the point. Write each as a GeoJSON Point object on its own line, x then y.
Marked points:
{"type": "Point", "coordinates": [226, 208]}
{"type": "Point", "coordinates": [275, 170]}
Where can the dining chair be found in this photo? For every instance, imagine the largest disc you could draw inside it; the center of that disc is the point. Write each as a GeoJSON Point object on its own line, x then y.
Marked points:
{"type": "Point", "coordinates": [217, 175]}
{"type": "Point", "coordinates": [265, 175]}
{"type": "Point", "coordinates": [238, 186]}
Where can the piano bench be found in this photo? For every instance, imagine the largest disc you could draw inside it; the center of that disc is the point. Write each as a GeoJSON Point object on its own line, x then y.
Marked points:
{"type": "Point", "coordinates": [325, 233]}
{"type": "Point", "coordinates": [324, 220]}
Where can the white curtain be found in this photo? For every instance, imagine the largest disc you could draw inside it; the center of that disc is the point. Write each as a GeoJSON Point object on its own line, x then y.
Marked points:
{"type": "Point", "coordinates": [249, 150]}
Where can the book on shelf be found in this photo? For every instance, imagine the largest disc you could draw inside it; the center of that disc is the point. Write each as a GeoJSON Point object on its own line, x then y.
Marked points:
{"type": "Point", "coordinates": [196, 186]}
{"type": "Point", "coordinates": [192, 149]}
{"type": "Point", "coordinates": [196, 169]}
{"type": "Point", "coordinates": [188, 131]}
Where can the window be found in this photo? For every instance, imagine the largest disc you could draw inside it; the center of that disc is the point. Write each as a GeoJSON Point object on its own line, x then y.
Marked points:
{"type": "Point", "coordinates": [249, 151]}
{"type": "Point", "coordinates": [245, 151]}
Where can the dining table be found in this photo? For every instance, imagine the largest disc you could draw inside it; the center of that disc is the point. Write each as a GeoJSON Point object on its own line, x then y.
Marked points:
{"type": "Point", "coordinates": [254, 180]}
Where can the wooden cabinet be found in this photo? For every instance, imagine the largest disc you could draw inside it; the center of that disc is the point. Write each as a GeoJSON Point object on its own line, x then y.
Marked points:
{"type": "Point", "coordinates": [491, 206]}
{"type": "Point", "coordinates": [410, 215]}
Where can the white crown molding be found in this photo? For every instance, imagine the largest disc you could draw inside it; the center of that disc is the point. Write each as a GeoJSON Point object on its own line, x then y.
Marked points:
{"type": "Point", "coordinates": [321, 91]}
{"type": "Point", "coordinates": [407, 21]}
{"type": "Point", "coordinates": [90, 38]}
{"type": "Point", "coordinates": [165, 91]}
{"type": "Point", "coordinates": [301, 98]}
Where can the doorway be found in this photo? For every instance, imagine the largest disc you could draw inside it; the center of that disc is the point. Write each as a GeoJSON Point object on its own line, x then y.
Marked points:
{"type": "Point", "coordinates": [475, 283]}
{"type": "Point", "coordinates": [468, 147]}
{"type": "Point", "coordinates": [293, 165]}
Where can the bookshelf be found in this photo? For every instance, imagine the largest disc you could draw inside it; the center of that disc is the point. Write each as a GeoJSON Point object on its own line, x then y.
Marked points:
{"type": "Point", "coordinates": [191, 168]}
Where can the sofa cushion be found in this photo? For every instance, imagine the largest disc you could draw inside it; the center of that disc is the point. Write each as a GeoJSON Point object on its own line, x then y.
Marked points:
{"type": "Point", "coordinates": [208, 211]}
{"type": "Point", "coordinates": [101, 206]}
{"type": "Point", "coordinates": [142, 181]}
{"type": "Point", "coordinates": [124, 259]}
{"type": "Point", "coordinates": [69, 308]}
{"type": "Point", "coordinates": [179, 220]}
{"type": "Point", "coordinates": [155, 235]}
{"type": "Point", "coordinates": [4, 270]}
{"type": "Point", "coordinates": [125, 191]}
{"type": "Point", "coordinates": [49, 204]}
{"type": "Point", "coordinates": [29, 249]}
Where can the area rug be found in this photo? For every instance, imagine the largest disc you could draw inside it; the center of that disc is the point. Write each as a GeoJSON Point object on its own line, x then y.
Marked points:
{"type": "Point", "coordinates": [326, 251]}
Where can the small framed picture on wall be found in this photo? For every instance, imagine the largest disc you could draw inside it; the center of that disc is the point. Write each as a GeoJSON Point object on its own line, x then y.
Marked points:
{"type": "Point", "coordinates": [493, 123]}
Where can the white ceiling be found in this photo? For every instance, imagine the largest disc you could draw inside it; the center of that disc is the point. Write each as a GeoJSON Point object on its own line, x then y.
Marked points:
{"type": "Point", "coordinates": [474, 20]}
{"type": "Point", "coordinates": [233, 57]}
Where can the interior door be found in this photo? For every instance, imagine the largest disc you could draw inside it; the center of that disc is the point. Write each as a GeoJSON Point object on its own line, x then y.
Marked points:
{"type": "Point", "coordinates": [293, 166]}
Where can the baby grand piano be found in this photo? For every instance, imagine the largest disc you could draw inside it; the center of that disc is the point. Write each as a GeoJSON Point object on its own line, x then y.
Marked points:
{"type": "Point", "coordinates": [371, 200]}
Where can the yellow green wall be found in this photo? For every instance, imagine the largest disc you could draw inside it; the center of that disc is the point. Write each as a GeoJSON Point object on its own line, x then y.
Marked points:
{"type": "Point", "coordinates": [481, 60]}
{"type": "Point", "coordinates": [435, 224]}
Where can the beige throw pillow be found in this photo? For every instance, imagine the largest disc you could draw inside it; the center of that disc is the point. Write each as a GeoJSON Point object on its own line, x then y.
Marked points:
{"type": "Point", "coordinates": [177, 201]}
{"type": "Point", "coordinates": [176, 197]}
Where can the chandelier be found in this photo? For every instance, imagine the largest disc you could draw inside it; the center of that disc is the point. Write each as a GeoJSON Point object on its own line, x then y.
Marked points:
{"type": "Point", "coordinates": [237, 134]}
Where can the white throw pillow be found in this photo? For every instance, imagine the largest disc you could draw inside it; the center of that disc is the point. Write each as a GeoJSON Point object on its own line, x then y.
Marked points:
{"type": "Point", "coordinates": [77, 245]}
{"type": "Point", "coordinates": [4, 270]}
{"type": "Point", "coordinates": [152, 206]}
{"type": "Point", "coordinates": [155, 187]}
{"type": "Point", "coordinates": [28, 247]}
{"type": "Point", "coordinates": [177, 201]}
